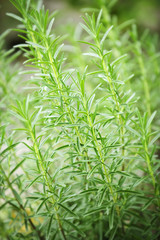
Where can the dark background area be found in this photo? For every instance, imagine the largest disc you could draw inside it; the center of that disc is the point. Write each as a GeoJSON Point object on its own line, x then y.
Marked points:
{"type": "Point", "coordinates": [145, 12]}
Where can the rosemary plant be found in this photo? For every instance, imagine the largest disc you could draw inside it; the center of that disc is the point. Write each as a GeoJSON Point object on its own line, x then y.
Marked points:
{"type": "Point", "coordinates": [79, 157]}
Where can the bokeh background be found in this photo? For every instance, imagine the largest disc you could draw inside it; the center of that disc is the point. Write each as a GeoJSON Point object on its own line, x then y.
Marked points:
{"type": "Point", "coordinates": [145, 12]}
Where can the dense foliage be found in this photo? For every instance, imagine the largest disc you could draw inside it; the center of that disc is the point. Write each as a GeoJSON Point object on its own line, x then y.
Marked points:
{"type": "Point", "coordinates": [79, 132]}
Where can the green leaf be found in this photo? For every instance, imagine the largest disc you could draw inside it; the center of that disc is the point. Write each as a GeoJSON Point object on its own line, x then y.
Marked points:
{"type": "Point", "coordinates": [22, 45]}
{"type": "Point", "coordinates": [36, 45]}
{"type": "Point", "coordinates": [102, 195]}
{"type": "Point", "coordinates": [74, 227]}
{"type": "Point", "coordinates": [87, 30]}
{"type": "Point", "coordinates": [95, 72]}
{"type": "Point", "coordinates": [88, 43]}
{"type": "Point", "coordinates": [92, 55]}
{"type": "Point", "coordinates": [147, 204]}
{"type": "Point", "coordinates": [154, 140]}
{"type": "Point", "coordinates": [3, 35]}
{"type": "Point", "coordinates": [112, 235]}
{"type": "Point", "coordinates": [15, 16]}
{"type": "Point", "coordinates": [67, 209]}
{"type": "Point", "coordinates": [90, 101]}
{"type": "Point", "coordinates": [29, 147]}
{"type": "Point", "coordinates": [28, 186]}
{"type": "Point", "coordinates": [50, 27]}
{"type": "Point", "coordinates": [17, 5]}
{"type": "Point", "coordinates": [126, 24]}
{"type": "Point", "coordinates": [95, 210]}
{"type": "Point", "coordinates": [105, 35]}
{"type": "Point", "coordinates": [62, 147]}
{"type": "Point", "coordinates": [27, 5]}
{"type": "Point", "coordinates": [139, 181]}
{"type": "Point", "coordinates": [99, 18]}
{"type": "Point", "coordinates": [17, 196]}
{"type": "Point", "coordinates": [123, 173]}
{"type": "Point", "coordinates": [111, 217]}
{"type": "Point", "coordinates": [130, 98]}
{"type": "Point", "coordinates": [133, 131]}
{"type": "Point", "coordinates": [130, 192]}
{"type": "Point", "coordinates": [3, 205]}
{"type": "Point", "coordinates": [36, 117]}
{"type": "Point", "coordinates": [94, 91]}
{"type": "Point", "coordinates": [16, 167]}
{"type": "Point", "coordinates": [8, 149]}
{"type": "Point", "coordinates": [89, 191]}
{"type": "Point", "coordinates": [118, 59]}
{"type": "Point", "coordinates": [14, 206]}
{"type": "Point", "coordinates": [151, 119]}
{"type": "Point", "coordinates": [92, 170]}
{"type": "Point", "coordinates": [40, 206]}
{"type": "Point", "coordinates": [58, 51]}
{"type": "Point", "coordinates": [49, 225]}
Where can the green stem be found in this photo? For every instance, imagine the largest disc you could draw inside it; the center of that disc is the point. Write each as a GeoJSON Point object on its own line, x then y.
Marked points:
{"type": "Point", "coordinates": [102, 160]}
{"type": "Point", "coordinates": [57, 77]}
{"type": "Point", "coordinates": [149, 164]}
{"type": "Point", "coordinates": [47, 180]}
{"type": "Point", "coordinates": [111, 85]}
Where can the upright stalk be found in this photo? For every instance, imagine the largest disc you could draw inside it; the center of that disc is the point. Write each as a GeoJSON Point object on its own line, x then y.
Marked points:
{"type": "Point", "coordinates": [111, 85]}
{"type": "Point", "coordinates": [46, 178]}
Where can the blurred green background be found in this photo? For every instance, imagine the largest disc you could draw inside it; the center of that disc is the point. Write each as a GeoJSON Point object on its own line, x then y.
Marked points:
{"type": "Point", "coordinates": [145, 12]}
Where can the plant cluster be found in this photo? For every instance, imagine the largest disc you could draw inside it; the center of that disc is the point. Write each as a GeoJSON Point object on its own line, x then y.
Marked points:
{"type": "Point", "coordinates": [79, 148]}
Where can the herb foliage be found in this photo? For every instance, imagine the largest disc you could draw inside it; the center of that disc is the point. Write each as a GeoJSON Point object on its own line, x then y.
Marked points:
{"type": "Point", "coordinates": [79, 149]}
